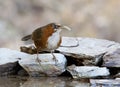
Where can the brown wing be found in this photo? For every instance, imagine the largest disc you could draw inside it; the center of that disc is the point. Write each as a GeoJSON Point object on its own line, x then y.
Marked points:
{"type": "Point", "coordinates": [37, 38]}
{"type": "Point", "coordinates": [40, 36]}
{"type": "Point", "coordinates": [37, 34]}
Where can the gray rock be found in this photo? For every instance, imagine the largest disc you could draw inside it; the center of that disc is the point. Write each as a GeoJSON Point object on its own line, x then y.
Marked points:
{"type": "Point", "coordinates": [11, 60]}
{"type": "Point", "coordinates": [117, 75]}
{"type": "Point", "coordinates": [9, 69]}
{"type": "Point", "coordinates": [8, 61]}
{"type": "Point", "coordinates": [10, 56]}
{"type": "Point", "coordinates": [112, 58]}
{"type": "Point", "coordinates": [79, 72]}
{"type": "Point", "coordinates": [91, 50]}
{"type": "Point", "coordinates": [47, 66]}
{"type": "Point", "coordinates": [105, 83]}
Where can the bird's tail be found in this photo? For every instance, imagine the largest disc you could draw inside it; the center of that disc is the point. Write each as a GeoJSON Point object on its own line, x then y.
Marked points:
{"type": "Point", "coordinates": [26, 37]}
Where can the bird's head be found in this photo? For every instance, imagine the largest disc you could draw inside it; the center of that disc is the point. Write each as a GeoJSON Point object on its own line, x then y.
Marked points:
{"type": "Point", "coordinates": [59, 27]}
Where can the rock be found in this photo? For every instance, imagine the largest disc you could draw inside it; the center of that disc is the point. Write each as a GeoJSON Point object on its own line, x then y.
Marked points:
{"type": "Point", "coordinates": [46, 67]}
{"type": "Point", "coordinates": [10, 56]}
{"type": "Point", "coordinates": [11, 62]}
{"type": "Point", "coordinates": [22, 72]}
{"type": "Point", "coordinates": [28, 49]}
{"type": "Point", "coordinates": [9, 69]}
{"type": "Point", "coordinates": [112, 58]}
{"type": "Point", "coordinates": [117, 79]}
{"type": "Point", "coordinates": [90, 50]}
{"type": "Point", "coordinates": [81, 51]}
{"type": "Point", "coordinates": [104, 83]}
{"type": "Point", "coordinates": [8, 61]}
{"type": "Point", "coordinates": [78, 72]}
{"type": "Point", "coordinates": [117, 75]}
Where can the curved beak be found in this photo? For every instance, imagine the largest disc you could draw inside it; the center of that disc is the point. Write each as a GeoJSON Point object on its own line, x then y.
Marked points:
{"type": "Point", "coordinates": [65, 27]}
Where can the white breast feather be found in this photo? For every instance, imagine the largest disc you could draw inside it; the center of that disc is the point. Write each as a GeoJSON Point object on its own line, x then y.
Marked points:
{"type": "Point", "coordinates": [53, 40]}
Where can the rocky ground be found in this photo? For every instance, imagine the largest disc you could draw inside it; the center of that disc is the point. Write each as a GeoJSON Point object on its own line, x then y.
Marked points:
{"type": "Point", "coordinates": [85, 58]}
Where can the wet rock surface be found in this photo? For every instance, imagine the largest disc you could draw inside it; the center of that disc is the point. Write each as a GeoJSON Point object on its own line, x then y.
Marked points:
{"type": "Point", "coordinates": [55, 82]}
{"type": "Point", "coordinates": [78, 72]}
{"type": "Point", "coordinates": [42, 82]}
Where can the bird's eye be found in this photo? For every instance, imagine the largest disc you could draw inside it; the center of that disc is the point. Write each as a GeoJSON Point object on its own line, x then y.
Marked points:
{"type": "Point", "coordinates": [56, 26]}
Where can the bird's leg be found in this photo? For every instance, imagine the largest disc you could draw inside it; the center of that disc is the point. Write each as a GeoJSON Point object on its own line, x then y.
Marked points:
{"type": "Point", "coordinates": [37, 59]}
{"type": "Point", "coordinates": [54, 58]}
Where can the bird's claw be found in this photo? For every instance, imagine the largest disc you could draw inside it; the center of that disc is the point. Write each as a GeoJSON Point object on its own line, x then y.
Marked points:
{"type": "Point", "coordinates": [38, 60]}
{"type": "Point", "coordinates": [56, 61]}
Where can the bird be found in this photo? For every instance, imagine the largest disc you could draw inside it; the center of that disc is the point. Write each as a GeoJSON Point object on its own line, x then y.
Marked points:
{"type": "Point", "coordinates": [47, 38]}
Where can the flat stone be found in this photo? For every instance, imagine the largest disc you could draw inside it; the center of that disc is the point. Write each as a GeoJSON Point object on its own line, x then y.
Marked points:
{"type": "Point", "coordinates": [112, 58]}
{"type": "Point", "coordinates": [12, 60]}
{"type": "Point", "coordinates": [79, 72]}
{"type": "Point", "coordinates": [91, 50]}
{"type": "Point", "coordinates": [10, 56]}
{"type": "Point", "coordinates": [47, 66]}
{"type": "Point", "coordinates": [105, 82]}
{"type": "Point", "coordinates": [9, 61]}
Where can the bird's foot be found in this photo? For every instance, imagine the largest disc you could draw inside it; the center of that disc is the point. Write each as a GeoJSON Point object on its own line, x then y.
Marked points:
{"type": "Point", "coordinates": [38, 60]}
{"type": "Point", "coordinates": [56, 61]}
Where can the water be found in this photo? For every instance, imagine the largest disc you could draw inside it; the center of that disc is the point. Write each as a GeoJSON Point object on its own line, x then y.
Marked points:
{"type": "Point", "coordinates": [42, 82]}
